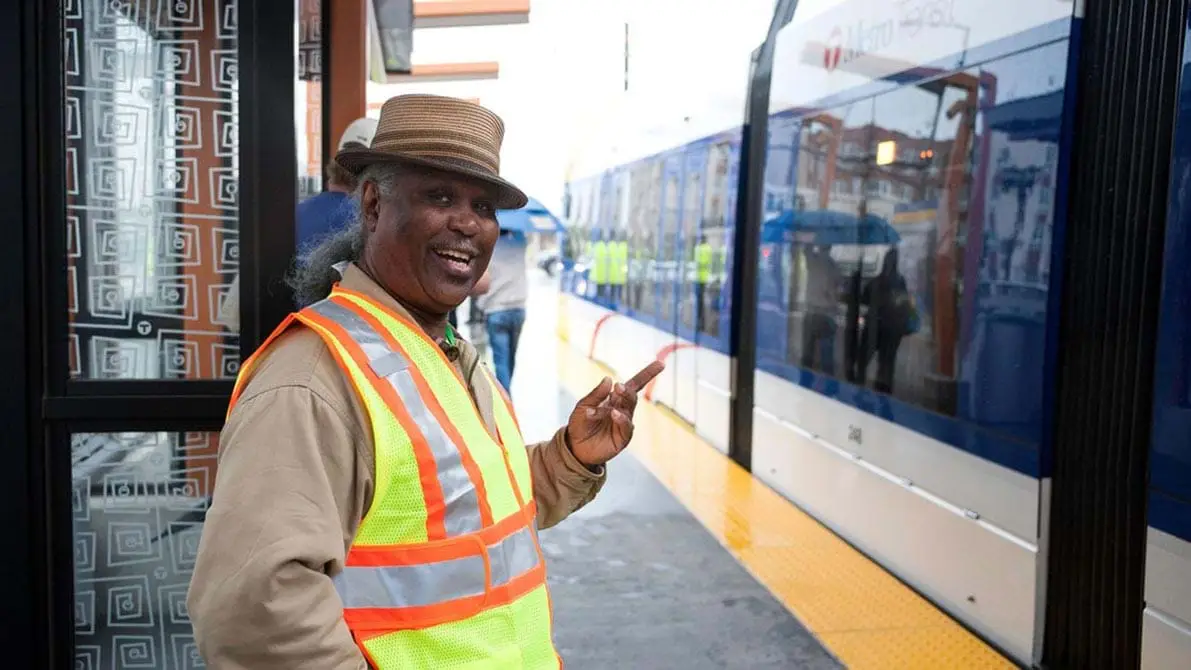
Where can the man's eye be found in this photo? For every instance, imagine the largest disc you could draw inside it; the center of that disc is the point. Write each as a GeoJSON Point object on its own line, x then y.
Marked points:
{"type": "Point", "coordinates": [484, 208]}
{"type": "Point", "coordinates": [440, 198]}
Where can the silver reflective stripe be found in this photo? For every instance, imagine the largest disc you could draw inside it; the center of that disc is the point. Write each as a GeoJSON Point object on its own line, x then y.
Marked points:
{"type": "Point", "coordinates": [431, 583]}
{"type": "Point", "coordinates": [459, 493]}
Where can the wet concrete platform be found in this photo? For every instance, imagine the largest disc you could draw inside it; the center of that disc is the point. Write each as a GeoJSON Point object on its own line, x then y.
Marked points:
{"type": "Point", "coordinates": [636, 580]}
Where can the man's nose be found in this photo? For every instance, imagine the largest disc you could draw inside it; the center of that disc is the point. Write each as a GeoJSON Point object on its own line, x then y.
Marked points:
{"type": "Point", "coordinates": [465, 221]}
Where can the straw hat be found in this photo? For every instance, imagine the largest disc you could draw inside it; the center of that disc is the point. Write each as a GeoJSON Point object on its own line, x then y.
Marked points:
{"type": "Point", "coordinates": [444, 133]}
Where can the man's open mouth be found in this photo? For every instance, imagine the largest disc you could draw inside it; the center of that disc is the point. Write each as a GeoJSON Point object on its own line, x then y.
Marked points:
{"type": "Point", "coordinates": [457, 262]}
{"type": "Point", "coordinates": [453, 255]}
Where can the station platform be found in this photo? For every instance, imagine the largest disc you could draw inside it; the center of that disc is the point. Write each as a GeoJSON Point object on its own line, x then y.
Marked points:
{"type": "Point", "coordinates": [687, 561]}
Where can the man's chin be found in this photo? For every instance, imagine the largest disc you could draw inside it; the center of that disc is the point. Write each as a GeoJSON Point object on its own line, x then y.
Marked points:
{"type": "Point", "coordinates": [451, 301]}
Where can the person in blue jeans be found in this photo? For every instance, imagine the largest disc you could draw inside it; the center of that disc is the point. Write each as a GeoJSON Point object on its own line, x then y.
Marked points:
{"type": "Point", "coordinates": [504, 303]}
{"type": "Point", "coordinates": [504, 331]}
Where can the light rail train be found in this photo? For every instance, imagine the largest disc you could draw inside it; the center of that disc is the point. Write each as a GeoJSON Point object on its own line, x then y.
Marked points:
{"type": "Point", "coordinates": [867, 291]}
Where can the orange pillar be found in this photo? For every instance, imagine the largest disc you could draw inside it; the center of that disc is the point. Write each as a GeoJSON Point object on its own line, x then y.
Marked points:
{"type": "Point", "coordinates": [349, 65]}
{"type": "Point", "coordinates": [946, 321]}
{"type": "Point", "coordinates": [310, 33]}
{"type": "Point", "coordinates": [209, 213]}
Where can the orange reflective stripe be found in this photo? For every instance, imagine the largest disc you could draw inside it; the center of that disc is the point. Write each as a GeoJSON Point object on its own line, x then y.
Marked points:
{"type": "Point", "coordinates": [417, 330]}
{"type": "Point", "coordinates": [427, 472]}
{"type": "Point", "coordinates": [432, 403]}
{"type": "Point", "coordinates": [372, 621]}
{"type": "Point", "coordinates": [504, 452]}
{"type": "Point", "coordinates": [441, 550]}
{"type": "Point", "coordinates": [430, 583]}
{"type": "Point", "coordinates": [250, 363]}
{"type": "Point", "coordinates": [394, 368]}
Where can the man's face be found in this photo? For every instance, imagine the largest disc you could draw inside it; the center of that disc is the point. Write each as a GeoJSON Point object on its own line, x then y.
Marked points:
{"type": "Point", "coordinates": [430, 242]}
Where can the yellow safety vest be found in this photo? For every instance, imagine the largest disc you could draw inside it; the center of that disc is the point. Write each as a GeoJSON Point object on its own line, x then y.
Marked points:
{"type": "Point", "coordinates": [445, 570]}
{"type": "Point", "coordinates": [620, 262]}
{"type": "Point", "coordinates": [703, 262]}
{"type": "Point", "coordinates": [599, 257]}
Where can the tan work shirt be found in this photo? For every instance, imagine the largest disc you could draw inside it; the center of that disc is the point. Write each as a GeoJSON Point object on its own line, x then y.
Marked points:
{"type": "Point", "coordinates": [295, 477]}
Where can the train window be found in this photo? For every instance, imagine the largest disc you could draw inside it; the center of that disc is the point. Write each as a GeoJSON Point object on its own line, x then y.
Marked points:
{"type": "Point", "coordinates": [624, 203]}
{"type": "Point", "coordinates": [638, 252]}
{"type": "Point", "coordinates": [668, 273]}
{"type": "Point", "coordinates": [651, 171]}
{"type": "Point", "coordinates": [874, 284]}
{"type": "Point", "coordinates": [779, 161]}
{"type": "Point", "coordinates": [691, 279]}
{"type": "Point", "coordinates": [907, 344]}
{"type": "Point", "coordinates": [810, 249]}
{"type": "Point", "coordinates": [714, 253]}
{"type": "Point", "coordinates": [620, 221]}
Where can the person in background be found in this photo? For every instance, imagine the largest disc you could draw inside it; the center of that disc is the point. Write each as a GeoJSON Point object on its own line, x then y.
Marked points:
{"type": "Point", "coordinates": [703, 263]}
{"type": "Point", "coordinates": [600, 265]}
{"type": "Point", "coordinates": [888, 320]}
{"type": "Point", "coordinates": [318, 216]}
{"type": "Point", "coordinates": [334, 208]}
{"type": "Point", "coordinates": [819, 328]}
{"type": "Point", "coordinates": [618, 266]}
{"type": "Point", "coordinates": [504, 304]}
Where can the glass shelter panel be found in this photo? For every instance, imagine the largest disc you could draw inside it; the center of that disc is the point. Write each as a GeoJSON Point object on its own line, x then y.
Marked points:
{"type": "Point", "coordinates": [152, 188]}
{"type": "Point", "coordinates": [138, 503]}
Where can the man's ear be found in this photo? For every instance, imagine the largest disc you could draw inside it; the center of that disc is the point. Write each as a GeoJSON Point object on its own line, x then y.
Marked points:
{"type": "Point", "coordinates": [370, 206]}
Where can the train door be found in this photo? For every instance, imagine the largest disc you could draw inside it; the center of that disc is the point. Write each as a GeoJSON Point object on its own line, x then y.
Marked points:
{"type": "Point", "coordinates": [693, 282]}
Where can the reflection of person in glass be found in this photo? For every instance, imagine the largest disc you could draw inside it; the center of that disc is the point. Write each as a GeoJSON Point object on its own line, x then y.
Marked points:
{"type": "Point", "coordinates": [600, 265]}
{"type": "Point", "coordinates": [822, 304]}
{"type": "Point", "coordinates": [618, 266]}
{"type": "Point", "coordinates": [636, 270]}
{"type": "Point", "coordinates": [719, 262]}
{"type": "Point", "coordinates": [703, 263]}
{"type": "Point", "coordinates": [886, 323]}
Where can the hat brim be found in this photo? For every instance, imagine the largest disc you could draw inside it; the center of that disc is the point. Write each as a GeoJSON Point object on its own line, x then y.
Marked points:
{"type": "Point", "coordinates": [507, 195]}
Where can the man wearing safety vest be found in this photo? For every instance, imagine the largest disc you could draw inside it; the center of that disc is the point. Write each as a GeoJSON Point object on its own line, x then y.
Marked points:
{"type": "Point", "coordinates": [618, 252]}
{"type": "Point", "coordinates": [375, 503]}
{"type": "Point", "coordinates": [601, 266]}
{"type": "Point", "coordinates": [703, 263]}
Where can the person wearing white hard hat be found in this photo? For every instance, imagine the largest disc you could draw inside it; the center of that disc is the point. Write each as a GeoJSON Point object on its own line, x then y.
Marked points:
{"type": "Point", "coordinates": [318, 216]}
{"type": "Point", "coordinates": [331, 210]}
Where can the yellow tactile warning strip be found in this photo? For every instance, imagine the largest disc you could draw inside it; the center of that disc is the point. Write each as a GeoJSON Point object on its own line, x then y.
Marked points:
{"type": "Point", "coordinates": [857, 610]}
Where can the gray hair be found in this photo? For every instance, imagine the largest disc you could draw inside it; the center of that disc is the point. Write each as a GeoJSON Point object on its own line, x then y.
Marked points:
{"type": "Point", "coordinates": [314, 274]}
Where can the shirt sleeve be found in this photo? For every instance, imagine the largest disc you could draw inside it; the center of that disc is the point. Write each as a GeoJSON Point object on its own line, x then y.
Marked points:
{"type": "Point", "coordinates": [561, 484]}
{"type": "Point", "coordinates": [285, 505]}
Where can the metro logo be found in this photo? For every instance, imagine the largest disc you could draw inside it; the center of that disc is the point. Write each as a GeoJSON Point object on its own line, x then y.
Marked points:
{"type": "Point", "coordinates": [847, 44]}
{"type": "Point", "coordinates": [834, 50]}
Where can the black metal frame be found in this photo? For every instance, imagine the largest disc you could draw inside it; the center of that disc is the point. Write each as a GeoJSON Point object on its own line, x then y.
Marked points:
{"type": "Point", "coordinates": [43, 406]}
{"type": "Point", "coordinates": [747, 243]}
{"type": "Point", "coordinates": [1129, 63]}
{"type": "Point", "coordinates": [21, 599]}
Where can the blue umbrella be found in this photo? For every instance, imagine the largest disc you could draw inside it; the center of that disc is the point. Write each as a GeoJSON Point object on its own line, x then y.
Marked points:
{"type": "Point", "coordinates": [532, 218]}
{"type": "Point", "coordinates": [827, 228]}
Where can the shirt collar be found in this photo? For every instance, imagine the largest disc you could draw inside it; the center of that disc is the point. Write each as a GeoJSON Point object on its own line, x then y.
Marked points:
{"type": "Point", "coordinates": [355, 279]}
